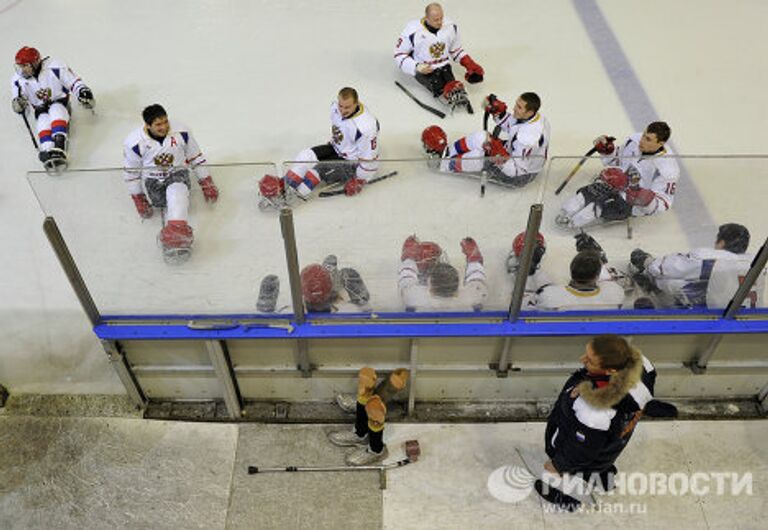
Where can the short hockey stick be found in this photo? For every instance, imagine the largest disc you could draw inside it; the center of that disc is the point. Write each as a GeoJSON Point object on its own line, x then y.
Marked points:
{"type": "Point", "coordinates": [333, 193]}
{"type": "Point", "coordinates": [420, 103]}
{"type": "Point", "coordinates": [578, 166]}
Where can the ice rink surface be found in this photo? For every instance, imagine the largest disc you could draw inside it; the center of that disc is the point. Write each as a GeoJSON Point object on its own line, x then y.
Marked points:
{"type": "Point", "coordinates": [254, 80]}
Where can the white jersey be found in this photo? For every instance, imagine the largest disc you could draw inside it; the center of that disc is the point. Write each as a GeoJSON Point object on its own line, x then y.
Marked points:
{"type": "Point", "coordinates": [605, 296]}
{"type": "Point", "coordinates": [528, 143]}
{"type": "Point", "coordinates": [657, 172]}
{"type": "Point", "coordinates": [419, 45]}
{"type": "Point", "coordinates": [54, 83]}
{"type": "Point", "coordinates": [178, 149]}
{"type": "Point", "coordinates": [416, 297]}
{"type": "Point", "coordinates": [356, 138]}
{"type": "Point", "coordinates": [706, 276]}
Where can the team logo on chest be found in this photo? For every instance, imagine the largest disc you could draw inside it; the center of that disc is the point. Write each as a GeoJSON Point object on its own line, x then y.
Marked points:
{"type": "Point", "coordinates": [164, 160]}
{"type": "Point", "coordinates": [336, 135]}
{"type": "Point", "coordinates": [634, 175]}
{"type": "Point", "coordinates": [43, 94]}
{"type": "Point", "coordinates": [437, 50]}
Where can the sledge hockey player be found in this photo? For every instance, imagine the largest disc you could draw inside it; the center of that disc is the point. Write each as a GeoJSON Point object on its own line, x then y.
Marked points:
{"type": "Point", "coordinates": [427, 282]}
{"type": "Point", "coordinates": [514, 162]}
{"type": "Point", "coordinates": [370, 408]}
{"type": "Point", "coordinates": [425, 50]}
{"type": "Point", "coordinates": [354, 138]}
{"type": "Point", "coordinates": [327, 289]}
{"type": "Point", "coordinates": [45, 84]}
{"type": "Point", "coordinates": [593, 285]}
{"type": "Point", "coordinates": [536, 277]}
{"type": "Point", "coordinates": [159, 158]}
{"type": "Point", "coordinates": [641, 179]}
{"type": "Point", "coordinates": [703, 277]}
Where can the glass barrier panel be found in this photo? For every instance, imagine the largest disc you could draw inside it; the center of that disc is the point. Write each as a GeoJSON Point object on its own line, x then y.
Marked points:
{"type": "Point", "coordinates": [690, 253]}
{"type": "Point", "coordinates": [131, 268]}
{"type": "Point", "coordinates": [395, 244]}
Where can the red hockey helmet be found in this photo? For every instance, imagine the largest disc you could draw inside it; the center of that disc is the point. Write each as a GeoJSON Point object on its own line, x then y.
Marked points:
{"type": "Point", "coordinates": [316, 284]}
{"type": "Point", "coordinates": [27, 55]}
{"type": "Point", "coordinates": [615, 178]}
{"type": "Point", "coordinates": [434, 140]}
{"type": "Point", "coordinates": [517, 244]}
{"type": "Point", "coordinates": [430, 255]}
{"type": "Point", "coordinates": [271, 186]}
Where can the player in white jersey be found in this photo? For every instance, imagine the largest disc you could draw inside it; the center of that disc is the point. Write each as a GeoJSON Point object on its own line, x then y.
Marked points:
{"type": "Point", "coordinates": [704, 276]}
{"type": "Point", "coordinates": [592, 287]}
{"type": "Point", "coordinates": [425, 49]}
{"type": "Point", "coordinates": [159, 158]}
{"type": "Point", "coordinates": [515, 161]}
{"type": "Point", "coordinates": [648, 187]}
{"type": "Point", "coordinates": [45, 84]}
{"type": "Point", "coordinates": [427, 283]}
{"type": "Point", "coordinates": [354, 143]}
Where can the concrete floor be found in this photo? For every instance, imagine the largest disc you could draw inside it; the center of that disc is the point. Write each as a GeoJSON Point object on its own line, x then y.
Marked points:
{"type": "Point", "coordinates": [117, 472]}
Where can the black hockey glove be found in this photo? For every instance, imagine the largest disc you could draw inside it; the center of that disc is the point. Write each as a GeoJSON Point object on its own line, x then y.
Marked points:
{"type": "Point", "coordinates": [85, 97]}
{"type": "Point", "coordinates": [640, 258]}
{"type": "Point", "coordinates": [586, 242]}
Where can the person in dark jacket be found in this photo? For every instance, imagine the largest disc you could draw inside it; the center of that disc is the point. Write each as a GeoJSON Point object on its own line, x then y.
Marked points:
{"type": "Point", "coordinates": [598, 408]}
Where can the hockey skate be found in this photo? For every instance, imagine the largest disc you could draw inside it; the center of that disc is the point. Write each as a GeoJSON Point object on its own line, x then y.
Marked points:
{"type": "Point", "coordinates": [176, 240]}
{"type": "Point", "coordinates": [54, 161]}
{"type": "Point", "coordinates": [274, 195]}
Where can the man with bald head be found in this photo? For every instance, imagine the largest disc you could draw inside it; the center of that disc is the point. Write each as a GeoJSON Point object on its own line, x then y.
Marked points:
{"type": "Point", "coordinates": [425, 50]}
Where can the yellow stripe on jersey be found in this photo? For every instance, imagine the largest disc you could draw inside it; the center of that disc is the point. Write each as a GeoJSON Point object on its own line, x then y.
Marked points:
{"type": "Point", "coordinates": [583, 294]}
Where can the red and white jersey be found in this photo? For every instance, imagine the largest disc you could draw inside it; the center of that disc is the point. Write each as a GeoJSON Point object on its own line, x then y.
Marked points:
{"type": "Point", "coordinates": [55, 82]}
{"type": "Point", "coordinates": [605, 296]}
{"type": "Point", "coordinates": [419, 45]}
{"type": "Point", "coordinates": [657, 172]}
{"type": "Point", "coordinates": [527, 144]}
{"type": "Point", "coordinates": [706, 276]}
{"type": "Point", "coordinates": [356, 138]}
{"type": "Point", "coordinates": [470, 296]}
{"type": "Point", "coordinates": [154, 159]}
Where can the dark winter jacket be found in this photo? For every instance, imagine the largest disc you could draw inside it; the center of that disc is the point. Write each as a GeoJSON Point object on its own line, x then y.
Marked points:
{"type": "Point", "coordinates": [586, 433]}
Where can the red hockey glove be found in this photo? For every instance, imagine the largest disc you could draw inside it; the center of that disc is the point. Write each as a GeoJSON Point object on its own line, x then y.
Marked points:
{"type": "Point", "coordinates": [142, 205]}
{"type": "Point", "coordinates": [604, 144]}
{"type": "Point", "coordinates": [640, 196]}
{"type": "Point", "coordinates": [494, 106]}
{"type": "Point", "coordinates": [495, 148]}
{"type": "Point", "coordinates": [353, 186]}
{"type": "Point", "coordinates": [471, 251]}
{"type": "Point", "coordinates": [411, 249]}
{"type": "Point", "coordinates": [475, 72]}
{"type": "Point", "coordinates": [615, 178]}
{"type": "Point", "coordinates": [210, 190]}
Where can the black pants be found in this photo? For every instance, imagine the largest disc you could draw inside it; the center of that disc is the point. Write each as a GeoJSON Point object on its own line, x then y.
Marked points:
{"type": "Point", "coordinates": [613, 206]}
{"type": "Point", "coordinates": [375, 439]}
{"type": "Point", "coordinates": [435, 81]}
{"type": "Point", "coordinates": [332, 173]}
{"type": "Point", "coordinates": [518, 181]}
{"type": "Point", "coordinates": [156, 187]}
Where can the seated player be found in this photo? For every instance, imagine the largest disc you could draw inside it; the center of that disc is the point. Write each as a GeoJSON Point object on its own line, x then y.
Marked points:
{"type": "Point", "coordinates": [515, 162]}
{"type": "Point", "coordinates": [426, 282]}
{"type": "Point", "coordinates": [159, 158]}
{"type": "Point", "coordinates": [592, 285]}
{"type": "Point", "coordinates": [354, 137]}
{"type": "Point", "coordinates": [537, 277]}
{"type": "Point", "coordinates": [45, 84]}
{"type": "Point", "coordinates": [370, 408]}
{"type": "Point", "coordinates": [703, 277]}
{"type": "Point", "coordinates": [641, 180]}
{"type": "Point", "coordinates": [326, 289]}
{"type": "Point", "coordinates": [425, 49]}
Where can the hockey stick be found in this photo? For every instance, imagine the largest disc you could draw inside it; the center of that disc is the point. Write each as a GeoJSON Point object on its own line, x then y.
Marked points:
{"type": "Point", "coordinates": [26, 122]}
{"type": "Point", "coordinates": [420, 103]}
{"type": "Point", "coordinates": [333, 193]}
{"type": "Point", "coordinates": [578, 166]}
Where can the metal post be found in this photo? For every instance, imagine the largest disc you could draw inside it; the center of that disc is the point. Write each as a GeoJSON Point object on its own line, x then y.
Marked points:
{"type": "Point", "coordinates": [67, 263]}
{"type": "Point", "coordinates": [292, 260]}
{"type": "Point", "coordinates": [302, 358]}
{"type": "Point", "coordinates": [762, 398]}
{"type": "Point", "coordinates": [755, 270]}
{"type": "Point", "coordinates": [502, 367]}
{"type": "Point", "coordinates": [120, 364]}
{"type": "Point", "coordinates": [699, 365]}
{"type": "Point", "coordinates": [412, 387]}
{"type": "Point", "coordinates": [526, 258]}
{"type": "Point", "coordinates": [222, 365]}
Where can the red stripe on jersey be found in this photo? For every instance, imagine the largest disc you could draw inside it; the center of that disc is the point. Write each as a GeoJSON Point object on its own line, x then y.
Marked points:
{"type": "Point", "coordinates": [666, 204]}
{"type": "Point", "coordinates": [192, 158]}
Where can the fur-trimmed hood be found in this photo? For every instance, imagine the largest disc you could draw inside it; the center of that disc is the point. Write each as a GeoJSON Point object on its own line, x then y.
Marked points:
{"type": "Point", "coordinates": [618, 385]}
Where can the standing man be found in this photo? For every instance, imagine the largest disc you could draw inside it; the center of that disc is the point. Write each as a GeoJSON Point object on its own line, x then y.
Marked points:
{"type": "Point", "coordinates": [354, 138]}
{"type": "Point", "coordinates": [516, 161]}
{"type": "Point", "coordinates": [425, 49]}
{"type": "Point", "coordinates": [45, 84]}
{"type": "Point", "coordinates": [597, 411]}
{"type": "Point", "coordinates": [642, 180]}
{"type": "Point", "coordinates": [161, 156]}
